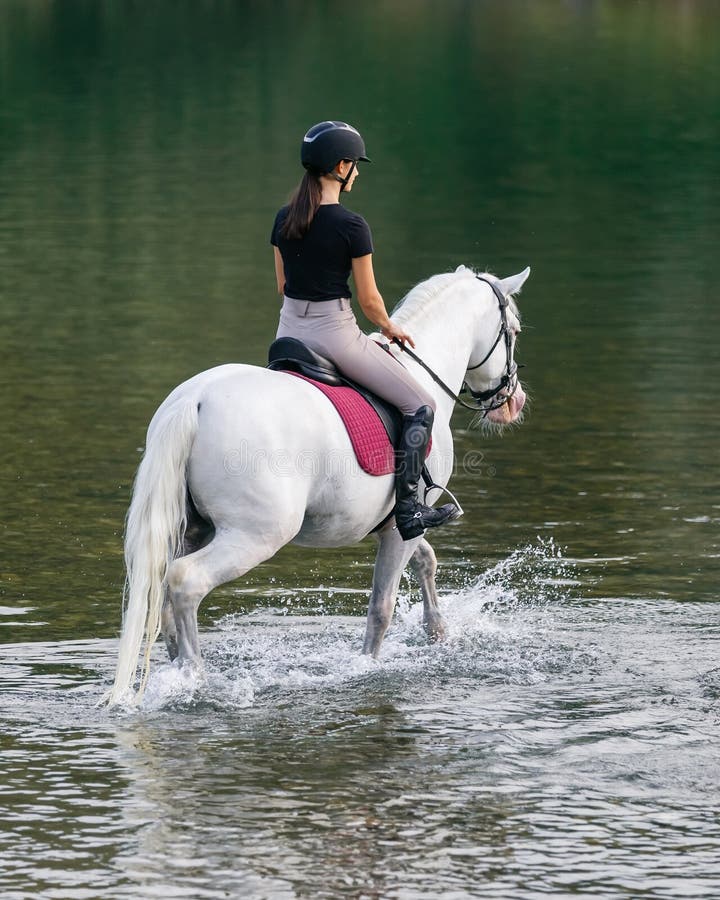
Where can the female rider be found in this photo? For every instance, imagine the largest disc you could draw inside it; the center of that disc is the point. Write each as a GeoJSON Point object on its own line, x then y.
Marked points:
{"type": "Point", "coordinates": [317, 243]}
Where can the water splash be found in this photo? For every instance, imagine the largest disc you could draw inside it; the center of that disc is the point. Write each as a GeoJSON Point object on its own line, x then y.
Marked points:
{"type": "Point", "coordinates": [499, 625]}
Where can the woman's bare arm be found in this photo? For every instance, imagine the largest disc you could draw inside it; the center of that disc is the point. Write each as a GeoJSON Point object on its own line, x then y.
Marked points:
{"type": "Point", "coordinates": [279, 271]}
{"type": "Point", "coordinates": [371, 301]}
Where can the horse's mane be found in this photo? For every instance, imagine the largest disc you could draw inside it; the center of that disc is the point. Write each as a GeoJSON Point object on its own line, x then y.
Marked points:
{"type": "Point", "coordinates": [420, 298]}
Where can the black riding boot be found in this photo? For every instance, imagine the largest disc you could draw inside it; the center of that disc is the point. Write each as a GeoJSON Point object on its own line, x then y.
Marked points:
{"type": "Point", "coordinates": [411, 516]}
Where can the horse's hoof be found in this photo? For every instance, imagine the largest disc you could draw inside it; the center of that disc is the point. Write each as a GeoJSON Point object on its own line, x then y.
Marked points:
{"type": "Point", "coordinates": [435, 631]}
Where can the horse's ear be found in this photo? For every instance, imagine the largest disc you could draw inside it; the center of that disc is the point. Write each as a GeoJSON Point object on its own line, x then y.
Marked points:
{"type": "Point", "coordinates": [512, 284]}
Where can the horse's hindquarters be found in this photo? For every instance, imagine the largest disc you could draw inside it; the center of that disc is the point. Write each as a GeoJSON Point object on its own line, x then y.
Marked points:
{"type": "Point", "coordinates": [272, 457]}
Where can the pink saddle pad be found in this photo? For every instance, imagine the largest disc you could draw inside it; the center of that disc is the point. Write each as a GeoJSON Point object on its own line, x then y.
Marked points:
{"type": "Point", "coordinates": [372, 447]}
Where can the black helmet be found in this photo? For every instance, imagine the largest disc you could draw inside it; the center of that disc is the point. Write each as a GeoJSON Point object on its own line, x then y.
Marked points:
{"type": "Point", "coordinates": [329, 142]}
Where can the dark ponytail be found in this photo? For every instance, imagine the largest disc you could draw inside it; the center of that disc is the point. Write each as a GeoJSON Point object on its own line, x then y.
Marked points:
{"type": "Point", "coordinates": [303, 206]}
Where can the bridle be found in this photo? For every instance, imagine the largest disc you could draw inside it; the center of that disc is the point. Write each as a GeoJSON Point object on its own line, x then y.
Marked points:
{"type": "Point", "coordinates": [509, 381]}
{"type": "Point", "coordinates": [487, 401]}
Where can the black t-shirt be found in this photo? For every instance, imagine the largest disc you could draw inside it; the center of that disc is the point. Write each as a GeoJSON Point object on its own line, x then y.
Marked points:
{"type": "Point", "coordinates": [318, 265]}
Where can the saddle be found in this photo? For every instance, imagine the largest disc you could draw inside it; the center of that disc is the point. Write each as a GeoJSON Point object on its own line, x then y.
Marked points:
{"type": "Point", "coordinates": [374, 425]}
{"type": "Point", "coordinates": [291, 355]}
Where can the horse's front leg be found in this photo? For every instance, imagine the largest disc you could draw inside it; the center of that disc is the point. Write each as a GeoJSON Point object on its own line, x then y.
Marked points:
{"type": "Point", "coordinates": [423, 564]}
{"type": "Point", "coordinates": [392, 557]}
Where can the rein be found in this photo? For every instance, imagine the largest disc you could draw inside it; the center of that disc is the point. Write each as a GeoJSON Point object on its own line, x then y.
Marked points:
{"type": "Point", "coordinates": [509, 379]}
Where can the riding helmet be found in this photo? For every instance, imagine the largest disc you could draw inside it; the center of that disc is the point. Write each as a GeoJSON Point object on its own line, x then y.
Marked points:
{"type": "Point", "coordinates": [327, 143]}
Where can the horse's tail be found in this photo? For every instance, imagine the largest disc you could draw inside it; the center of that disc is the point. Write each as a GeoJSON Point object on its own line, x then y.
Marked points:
{"type": "Point", "coordinates": [154, 532]}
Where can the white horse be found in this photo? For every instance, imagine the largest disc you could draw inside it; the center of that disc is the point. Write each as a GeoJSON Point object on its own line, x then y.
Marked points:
{"type": "Point", "coordinates": [240, 460]}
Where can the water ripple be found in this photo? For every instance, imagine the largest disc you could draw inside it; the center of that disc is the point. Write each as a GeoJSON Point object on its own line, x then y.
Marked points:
{"type": "Point", "coordinates": [550, 746]}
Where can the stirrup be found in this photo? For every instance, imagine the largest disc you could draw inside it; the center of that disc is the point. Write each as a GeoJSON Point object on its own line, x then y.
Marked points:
{"type": "Point", "coordinates": [421, 520]}
{"type": "Point", "coordinates": [430, 485]}
{"type": "Point", "coordinates": [419, 512]}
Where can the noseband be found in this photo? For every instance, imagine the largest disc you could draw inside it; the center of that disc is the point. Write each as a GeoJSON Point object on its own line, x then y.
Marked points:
{"type": "Point", "coordinates": [488, 400]}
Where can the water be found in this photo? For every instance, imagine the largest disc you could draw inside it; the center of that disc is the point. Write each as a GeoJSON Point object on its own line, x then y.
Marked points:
{"type": "Point", "coordinates": [550, 746]}
{"type": "Point", "coordinates": [564, 740]}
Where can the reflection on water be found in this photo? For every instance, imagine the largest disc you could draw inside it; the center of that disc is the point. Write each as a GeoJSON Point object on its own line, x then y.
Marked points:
{"type": "Point", "coordinates": [562, 742]}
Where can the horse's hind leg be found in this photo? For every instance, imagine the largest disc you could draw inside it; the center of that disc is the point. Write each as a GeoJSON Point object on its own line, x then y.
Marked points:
{"type": "Point", "coordinates": [168, 627]}
{"type": "Point", "coordinates": [423, 564]}
{"type": "Point", "coordinates": [198, 533]}
{"type": "Point", "coordinates": [191, 578]}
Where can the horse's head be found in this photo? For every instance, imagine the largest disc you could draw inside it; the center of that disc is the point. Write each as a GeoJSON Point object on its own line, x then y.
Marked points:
{"type": "Point", "coordinates": [491, 376]}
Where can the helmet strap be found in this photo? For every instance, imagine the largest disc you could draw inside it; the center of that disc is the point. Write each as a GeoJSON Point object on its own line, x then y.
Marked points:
{"type": "Point", "coordinates": [344, 181]}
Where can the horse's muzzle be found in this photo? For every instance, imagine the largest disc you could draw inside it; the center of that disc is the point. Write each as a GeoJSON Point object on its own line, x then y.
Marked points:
{"type": "Point", "coordinates": [510, 410]}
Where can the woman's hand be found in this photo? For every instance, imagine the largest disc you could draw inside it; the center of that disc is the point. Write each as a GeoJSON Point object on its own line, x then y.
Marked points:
{"type": "Point", "coordinates": [393, 332]}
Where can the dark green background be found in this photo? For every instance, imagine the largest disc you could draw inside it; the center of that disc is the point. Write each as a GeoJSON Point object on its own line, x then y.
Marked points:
{"type": "Point", "coordinates": [144, 149]}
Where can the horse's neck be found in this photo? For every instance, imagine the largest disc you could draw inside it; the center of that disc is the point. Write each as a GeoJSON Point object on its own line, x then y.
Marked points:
{"type": "Point", "coordinates": [444, 332]}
